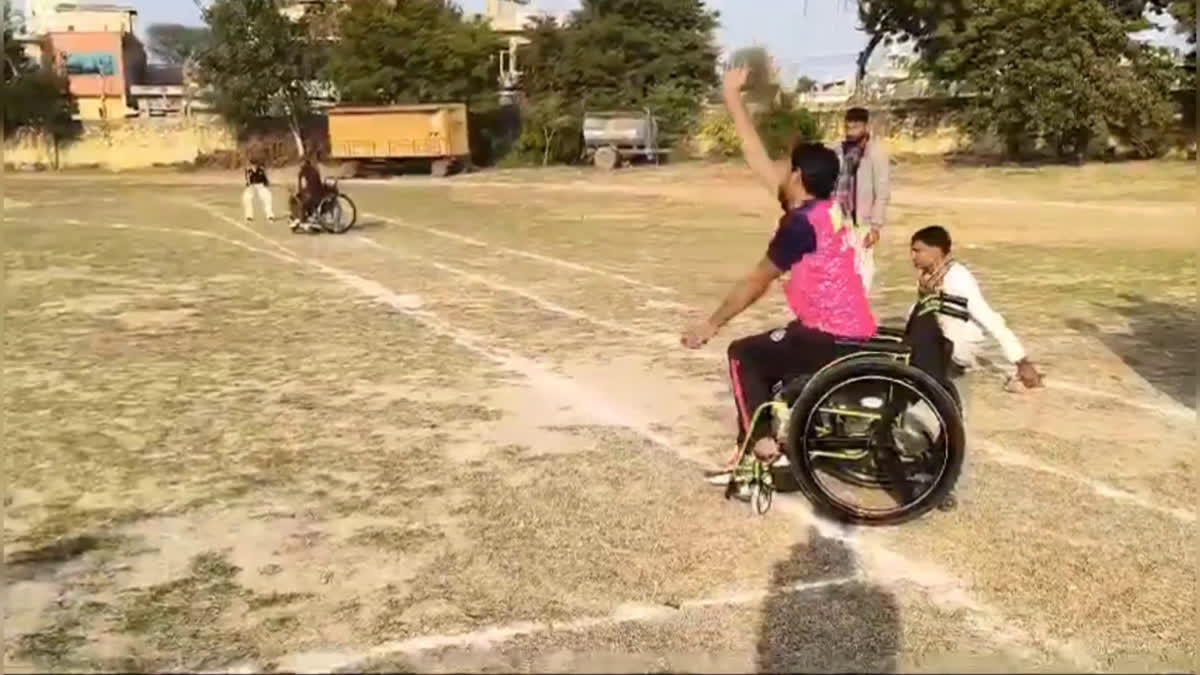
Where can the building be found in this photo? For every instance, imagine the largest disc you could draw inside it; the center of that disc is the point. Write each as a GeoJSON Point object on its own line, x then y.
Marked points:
{"type": "Point", "coordinates": [55, 16]}
{"type": "Point", "coordinates": [510, 19]}
{"type": "Point", "coordinates": [100, 67]}
{"type": "Point", "coordinates": [94, 45]}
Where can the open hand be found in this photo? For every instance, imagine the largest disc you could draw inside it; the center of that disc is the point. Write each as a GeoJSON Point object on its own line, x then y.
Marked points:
{"type": "Point", "coordinates": [734, 81]}
{"type": "Point", "coordinates": [1028, 375]}
{"type": "Point", "coordinates": [699, 335]}
{"type": "Point", "coordinates": [871, 239]}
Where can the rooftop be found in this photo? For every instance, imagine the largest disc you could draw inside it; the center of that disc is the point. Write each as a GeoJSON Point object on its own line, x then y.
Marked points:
{"type": "Point", "coordinates": [94, 7]}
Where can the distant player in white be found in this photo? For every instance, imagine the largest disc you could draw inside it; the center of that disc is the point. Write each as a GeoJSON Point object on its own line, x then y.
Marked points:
{"type": "Point", "coordinates": [257, 186]}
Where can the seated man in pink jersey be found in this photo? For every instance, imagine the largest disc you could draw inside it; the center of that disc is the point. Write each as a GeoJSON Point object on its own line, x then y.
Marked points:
{"type": "Point", "coordinates": [814, 246]}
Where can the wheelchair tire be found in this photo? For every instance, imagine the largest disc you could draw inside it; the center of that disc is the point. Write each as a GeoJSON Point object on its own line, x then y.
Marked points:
{"type": "Point", "coordinates": [348, 207]}
{"type": "Point", "coordinates": [804, 466]}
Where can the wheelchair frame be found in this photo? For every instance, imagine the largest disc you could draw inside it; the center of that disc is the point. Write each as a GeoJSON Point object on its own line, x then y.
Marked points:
{"type": "Point", "coordinates": [753, 474]}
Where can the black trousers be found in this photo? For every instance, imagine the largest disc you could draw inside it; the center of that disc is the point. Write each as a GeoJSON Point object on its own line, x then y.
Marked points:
{"type": "Point", "coordinates": [930, 349]}
{"type": "Point", "coordinates": [757, 362]}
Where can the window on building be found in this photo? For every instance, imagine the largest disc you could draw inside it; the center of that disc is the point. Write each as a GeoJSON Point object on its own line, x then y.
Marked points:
{"type": "Point", "coordinates": [91, 63]}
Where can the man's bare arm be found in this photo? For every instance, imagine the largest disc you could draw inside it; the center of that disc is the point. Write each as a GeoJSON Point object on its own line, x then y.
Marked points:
{"type": "Point", "coordinates": [770, 173]}
{"type": "Point", "coordinates": [745, 292]}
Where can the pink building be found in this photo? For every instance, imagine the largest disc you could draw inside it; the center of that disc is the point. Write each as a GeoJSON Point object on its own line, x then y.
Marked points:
{"type": "Point", "coordinates": [95, 47]}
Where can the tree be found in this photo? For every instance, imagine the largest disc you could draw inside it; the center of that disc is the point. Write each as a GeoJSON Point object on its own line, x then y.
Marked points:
{"type": "Point", "coordinates": [1062, 71]}
{"type": "Point", "coordinates": [805, 84]}
{"type": "Point", "coordinates": [627, 54]}
{"type": "Point", "coordinates": [1184, 12]}
{"type": "Point", "coordinates": [901, 20]}
{"type": "Point", "coordinates": [258, 64]}
{"type": "Point", "coordinates": [413, 51]}
{"type": "Point", "coordinates": [32, 97]}
{"type": "Point", "coordinates": [550, 117]}
{"type": "Point", "coordinates": [175, 43]}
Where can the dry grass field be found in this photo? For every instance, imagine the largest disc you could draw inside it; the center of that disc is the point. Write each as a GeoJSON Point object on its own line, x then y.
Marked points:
{"type": "Point", "coordinates": [463, 436]}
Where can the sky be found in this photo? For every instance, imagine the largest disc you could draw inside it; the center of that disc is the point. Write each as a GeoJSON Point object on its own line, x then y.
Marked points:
{"type": "Point", "coordinates": [817, 38]}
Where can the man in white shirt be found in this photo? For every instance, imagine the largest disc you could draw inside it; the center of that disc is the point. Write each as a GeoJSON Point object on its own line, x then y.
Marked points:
{"type": "Point", "coordinates": [947, 288]}
{"type": "Point", "coordinates": [946, 325]}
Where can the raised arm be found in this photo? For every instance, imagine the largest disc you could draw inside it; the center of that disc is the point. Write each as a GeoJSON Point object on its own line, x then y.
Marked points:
{"type": "Point", "coordinates": [770, 173]}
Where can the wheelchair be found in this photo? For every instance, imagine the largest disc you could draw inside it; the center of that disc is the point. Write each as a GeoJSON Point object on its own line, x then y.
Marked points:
{"type": "Point", "coordinates": [334, 212]}
{"type": "Point", "coordinates": [868, 424]}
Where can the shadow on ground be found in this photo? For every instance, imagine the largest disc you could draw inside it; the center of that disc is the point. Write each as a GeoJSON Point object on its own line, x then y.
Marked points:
{"type": "Point", "coordinates": [1160, 344]}
{"type": "Point", "coordinates": [43, 561]}
{"type": "Point", "coordinates": [847, 627]}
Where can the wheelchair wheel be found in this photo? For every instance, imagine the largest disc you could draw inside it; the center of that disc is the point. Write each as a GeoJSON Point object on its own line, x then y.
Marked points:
{"type": "Point", "coordinates": [875, 442]}
{"type": "Point", "coordinates": [331, 217]}
{"type": "Point", "coordinates": [349, 211]}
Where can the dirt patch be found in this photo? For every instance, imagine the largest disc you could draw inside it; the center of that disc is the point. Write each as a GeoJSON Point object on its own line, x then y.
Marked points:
{"type": "Point", "coordinates": [229, 461]}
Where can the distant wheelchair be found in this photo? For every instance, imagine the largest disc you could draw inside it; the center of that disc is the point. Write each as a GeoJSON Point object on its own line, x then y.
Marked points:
{"type": "Point", "coordinates": [336, 212]}
{"type": "Point", "coordinates": [870, 439]}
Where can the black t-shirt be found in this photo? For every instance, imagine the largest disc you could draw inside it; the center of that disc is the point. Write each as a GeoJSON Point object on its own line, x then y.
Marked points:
{"type": "Point", "coordinates": [794, 239]}
{"type": "Point", "coordinates": [256, 175]}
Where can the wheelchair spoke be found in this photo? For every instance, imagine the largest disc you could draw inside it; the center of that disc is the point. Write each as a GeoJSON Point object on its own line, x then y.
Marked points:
{"type": "Point", "coordinates": [871, 445]}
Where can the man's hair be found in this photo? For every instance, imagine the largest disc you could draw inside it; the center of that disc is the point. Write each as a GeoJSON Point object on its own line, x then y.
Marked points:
{"type": "Point", "coordinates": [934, 235]}
{"type": "Point", "coordinates": [818, 167]}
{"type": "Point", "coordinates": [858, 115]}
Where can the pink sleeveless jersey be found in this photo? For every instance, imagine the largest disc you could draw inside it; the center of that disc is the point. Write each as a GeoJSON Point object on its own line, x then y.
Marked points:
{"type": "Point", "coordinates": [825, 288]}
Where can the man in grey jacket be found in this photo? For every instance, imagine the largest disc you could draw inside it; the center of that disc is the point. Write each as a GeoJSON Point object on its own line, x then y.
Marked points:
{"type": "Point", "coordinates": [863, 185]}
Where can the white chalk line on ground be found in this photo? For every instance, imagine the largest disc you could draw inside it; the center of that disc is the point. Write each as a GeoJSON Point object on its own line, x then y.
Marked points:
{"type": "Point", "coordinates": [493, 636]}
{"type": "Point", "coordinates": [1170, 409]}
{"type": "Point", "coordinates": [549, 260]}
{"type": "Point", "coordinates": [496, 285]}
{"type": "Point", "coordinates": [206, 235]}
{"type": "Point", "coordinates": [1125, 207]}
{"type": "Point", "coordinates": [1002, 455]}
{"type": "Point", "coordinates": [1009, 456]}
{"type": "Point", "coordinates": [944, 589]}
{"type": "Point", "coordinates": [899, 197]}
{"type": "Point", "coordinates": [1178, 412]}
{"type": "Point", "coordinates": [1099, 487]}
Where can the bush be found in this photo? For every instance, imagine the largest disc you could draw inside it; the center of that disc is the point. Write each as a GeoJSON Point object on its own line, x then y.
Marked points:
{"type": "Point", "coordinates": [719, 137]}
{"type": "Point", "coordinates": [779, 127]}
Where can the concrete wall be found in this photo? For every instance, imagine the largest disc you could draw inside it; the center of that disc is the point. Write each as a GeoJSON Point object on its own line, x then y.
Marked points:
{"type": "Point", "coordinates": [124, 144]}
{"type": "Point", "coordinates": [927, 128]}
{"type": "Point", "coordinates": [917, 127]}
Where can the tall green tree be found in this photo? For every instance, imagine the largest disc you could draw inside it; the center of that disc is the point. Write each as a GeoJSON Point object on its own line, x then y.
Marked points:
{"type": "Point", "coordinates": [1184, 13]}
{"type": "Point", "coordinates": [627, 54]}
{"type": "Point", "coordinates": [413, 51]}
{"type": "Point", "coordinates": [175, 43]}
{"type": "Point", "coordinates": [32, 97]}
{"type": "Point", "coordinates": [259, 64]}
{"type": "Point", "coordinates": [1062, 71]}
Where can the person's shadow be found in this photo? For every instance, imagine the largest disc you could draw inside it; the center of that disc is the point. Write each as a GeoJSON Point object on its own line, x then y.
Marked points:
{"type": "Point", "coordinates": [1160, 344]}
{"type": "Point", "coordinates": [822, 617]}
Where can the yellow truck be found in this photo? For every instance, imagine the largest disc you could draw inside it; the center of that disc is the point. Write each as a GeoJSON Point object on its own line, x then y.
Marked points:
{"type": "Point", "coordinates": [388, 134]}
